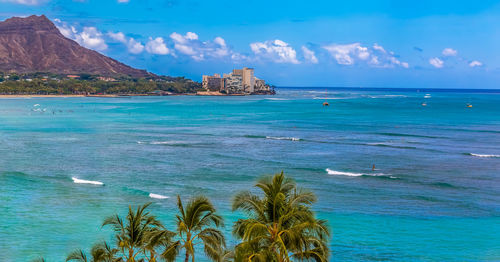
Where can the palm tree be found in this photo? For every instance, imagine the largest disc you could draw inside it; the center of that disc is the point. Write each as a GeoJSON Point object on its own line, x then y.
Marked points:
{"type": "Point", "coordinates": [139, 233]}
{"type": "Point", "coordinates": [197, 223]}
{"type": "Point", "coordinates": [100, 252]}
{"type": "Point", "coordinates": [280, 225]}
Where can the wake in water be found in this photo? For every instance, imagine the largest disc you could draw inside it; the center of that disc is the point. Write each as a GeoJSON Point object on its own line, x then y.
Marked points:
{"type": "Point", "coordinates": [83, 181]}
{"type": "Point", "coordinates": [157, 196]}
{"type": "Point", "coordinates": [341, 173]}
{"type": "Point", "coordinates": [484, 155]}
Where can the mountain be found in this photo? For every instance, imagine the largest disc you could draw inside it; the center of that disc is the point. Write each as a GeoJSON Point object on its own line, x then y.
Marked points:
{"type": "Point", "coordinates": [34, 44]}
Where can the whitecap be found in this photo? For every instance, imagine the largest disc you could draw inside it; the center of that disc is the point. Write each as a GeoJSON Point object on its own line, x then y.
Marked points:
{"type": "Point", "coordinates": [342, 173]}
{"type": "Point", "coordinates": [283, 138]}
{"type": "Point", "coordinates": [331, 98]}
{"type": "Point", "coordinates": [157, 196]}
{"type": "Point", "coordinates": [277, 99]}
{"type": "Point", "coordinates": [394, 96]}
{"type": "Point", "coordinates": [83, 181]}
{"type": "Point", "coordinates": [167, 142]}
{"type": "Point", "coordinates": [427, 96]}
{"type": "Point", "coordinates": [484, 155]}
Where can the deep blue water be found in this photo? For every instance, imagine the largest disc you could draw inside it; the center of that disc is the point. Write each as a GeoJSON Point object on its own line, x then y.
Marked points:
{"type": "Point", "coordinates": [434, 195]}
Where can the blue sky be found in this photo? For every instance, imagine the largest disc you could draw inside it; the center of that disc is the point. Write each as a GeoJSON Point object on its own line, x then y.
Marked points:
{"type": "Point", "coordinates": [386, 43]}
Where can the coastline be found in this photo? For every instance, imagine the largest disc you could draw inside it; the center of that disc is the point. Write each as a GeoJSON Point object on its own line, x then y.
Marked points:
{"type": "Point", "coordinates": [126, 95]}
{"type": "Point", "coordinates": [38, 96]}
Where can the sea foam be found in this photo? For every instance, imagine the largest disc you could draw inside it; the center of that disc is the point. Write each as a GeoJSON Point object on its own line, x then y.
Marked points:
{"type": "Point", "coordinates": [157, 196]}
{"type": "Point", "coordinates": [283, 138]}
{"type": "Point", "coordinates": [83, 181]}
{"type": "Point", "coordinates": [484, 155]}
{"type": "Point", "coordinates": [342, 173]}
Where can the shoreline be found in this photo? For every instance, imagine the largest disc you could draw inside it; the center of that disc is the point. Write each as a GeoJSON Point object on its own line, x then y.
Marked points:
{"type": "Point", "coordinates": [126, 95]}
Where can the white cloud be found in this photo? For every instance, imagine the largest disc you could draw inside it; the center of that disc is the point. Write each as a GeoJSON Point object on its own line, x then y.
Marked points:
{"type": "Point", "coordinates": [277, 51]}
{"type": "Point", "coordinates": [23, 2]}
{"type": "Point", "coordinates": [190, 45]}
{"type": "Point", "coordinates": [436, 62]}
{"type": "Point", "coordinates": [120, 37]}
{"type": "Point", "coordinates": [123, 1]}
{"type": "Point", "coordinates": [347, 54]}
{"type": "Point", "coordinates": [309, 55]}
{"type": "Point", "coordinates": [133, 46]}
{"type": "Point", "coordinates": [89, 37]}
{"type": "Point", "coordinates": [449, 52]}
{"type": "Point", "coordinates": [475, 63]}
{"type": "Point", "coordinates": [379, 48]}
{"type": "Point", "coordinates": [157, 46]}
{"type": "Point", "coordinates": [376, 56]}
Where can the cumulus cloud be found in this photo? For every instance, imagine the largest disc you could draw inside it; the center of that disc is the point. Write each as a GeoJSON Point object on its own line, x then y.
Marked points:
{"type": "Point", "coordinates": [475, 63]}
{"type": "Point", "coordinates": [157, 46]}
{"type": "Point", "coordinates": [375, 56]}
{"type": "Point", "coordinates": [436, 62]}
{"type": "Point", "coordinates": [91, 38]}
{"type": "Point", "coordinates": [88, 37]}
{"type": "Point", "coordinates": [133, 46]}
{"type": "Point", "coordinates": [276, 51]}
{"type": "Point", "coordinates": [23, 2]}
{"type": "Point", "coordinates": [120, 37]}
{"type": "Point", "coordinates": [309, 55]}
{"type": "Point", "coordinates": [449, 52]}
{"type": "Point", "coordinates": [190, 45]}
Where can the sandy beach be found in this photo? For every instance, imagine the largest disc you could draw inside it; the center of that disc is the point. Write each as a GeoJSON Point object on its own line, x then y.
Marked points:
{"type": "Point", "coordinates": [38, 96]}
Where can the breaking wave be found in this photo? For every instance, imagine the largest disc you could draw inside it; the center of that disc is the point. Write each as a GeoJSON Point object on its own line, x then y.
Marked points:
{"type": "Point", "coordinates": [83, 181]}
{"type": "Point", "coordinates": [483, 155]}
{"type": "Point", "coordinates": [283, 138]}
{"type": "Point", "coordinates": [157, 196]}
{"type": "Point", "coordinates": [277, 99]}
{"type": "Point", "coordinates": [342, 173]}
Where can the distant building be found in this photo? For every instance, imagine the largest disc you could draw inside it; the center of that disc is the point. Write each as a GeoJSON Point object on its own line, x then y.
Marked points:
{"type": "Point", "coordinates": [233, 84]}
{"type": "Point", "coordinates": [213, 83]}
{"type": "Point", "coordinates": [73, 76]}
{"type": "Point", "coordinates": [260, 85]}
{"type": "Point", "coordinates": [106, 79]}
{"type": "Point", "coordinates": [239, 81]}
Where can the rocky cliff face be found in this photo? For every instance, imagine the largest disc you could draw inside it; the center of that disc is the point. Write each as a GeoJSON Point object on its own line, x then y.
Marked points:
{"type": "Point", "coordinates": [34, 44]}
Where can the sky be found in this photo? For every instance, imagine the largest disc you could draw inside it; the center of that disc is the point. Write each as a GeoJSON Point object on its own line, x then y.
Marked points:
{"type": "Point", "coordinates": [357, 43]}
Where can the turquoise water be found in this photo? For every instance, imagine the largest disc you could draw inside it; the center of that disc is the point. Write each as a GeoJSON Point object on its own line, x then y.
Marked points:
{"type": "Point", "coordinates": [434, 195]}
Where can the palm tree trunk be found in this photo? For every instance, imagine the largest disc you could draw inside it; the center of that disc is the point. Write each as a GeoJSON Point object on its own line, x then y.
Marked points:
{"type": "Point", "coordinates": [187, 257]}
{"type": "Point", "coordinates": [131, 255]}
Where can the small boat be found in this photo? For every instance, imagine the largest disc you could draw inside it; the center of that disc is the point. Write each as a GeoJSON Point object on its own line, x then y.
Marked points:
{"type": "Point", "coordinates": [326, 97]}
{"type": "Point", "coordinates": [469, 105]}
{"type": "Point", "coordinates": [424, 104]}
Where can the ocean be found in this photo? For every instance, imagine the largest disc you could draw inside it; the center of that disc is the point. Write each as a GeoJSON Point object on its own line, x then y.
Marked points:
{"type": "Point", "coordinates": [434, 194]}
